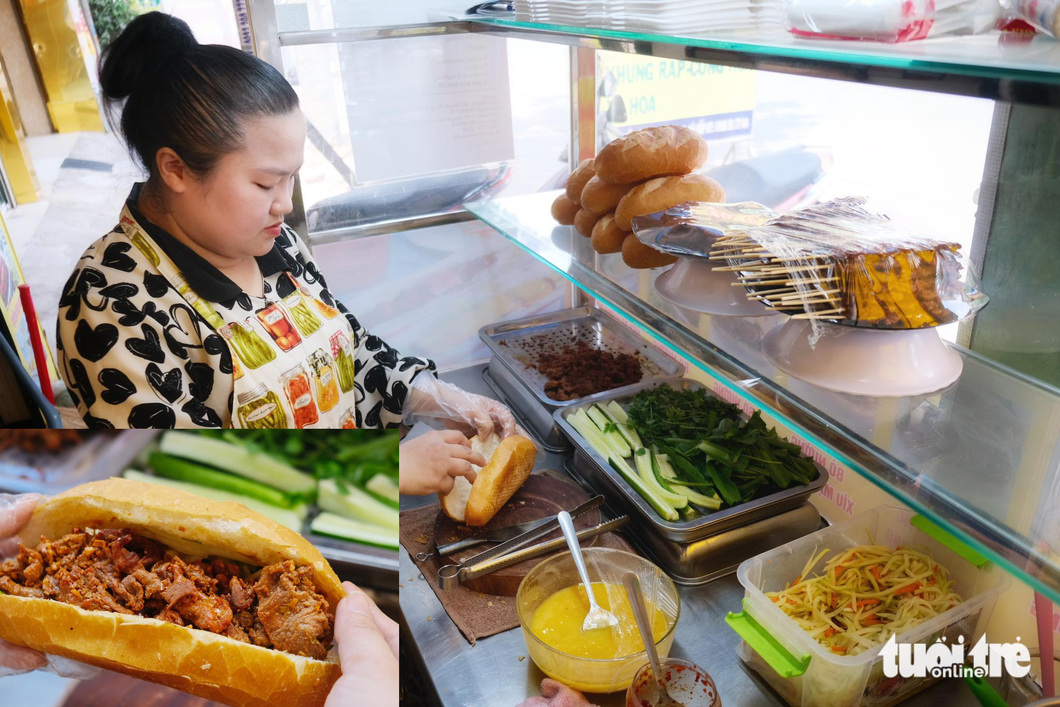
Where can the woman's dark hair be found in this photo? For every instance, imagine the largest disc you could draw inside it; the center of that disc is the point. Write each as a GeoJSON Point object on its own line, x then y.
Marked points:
{"type": "Point", "coordinates": [189, 97]}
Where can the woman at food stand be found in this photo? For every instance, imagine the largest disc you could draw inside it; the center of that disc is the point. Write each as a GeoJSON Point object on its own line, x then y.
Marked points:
{"type": "Point", "coordinates": [202, 308]}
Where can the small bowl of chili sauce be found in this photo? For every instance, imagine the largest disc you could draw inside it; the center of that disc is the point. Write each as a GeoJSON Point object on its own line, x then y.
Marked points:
{"type": "Point", "coordinates": [686, 682]}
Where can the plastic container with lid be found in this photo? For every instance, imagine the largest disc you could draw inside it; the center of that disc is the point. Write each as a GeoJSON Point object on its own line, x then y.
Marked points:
{"type": "Point", "coordinates": [806, 673]}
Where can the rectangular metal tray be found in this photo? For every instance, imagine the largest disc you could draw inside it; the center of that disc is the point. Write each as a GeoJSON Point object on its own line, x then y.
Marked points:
{"type": "Point", "coordinates": [593, 326]}
{"type": "Point", "coordinates": [528, 412]}
{"type": "Point", "coordinates": [701, 561]}
{"type": "Point", "coordinates": [101, 455]}
{"type": "Point", "coordinates": [601, 476]}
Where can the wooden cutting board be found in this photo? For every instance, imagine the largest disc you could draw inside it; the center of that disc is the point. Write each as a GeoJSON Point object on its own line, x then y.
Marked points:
{"type": "Point", "coordinates": [540, 496]}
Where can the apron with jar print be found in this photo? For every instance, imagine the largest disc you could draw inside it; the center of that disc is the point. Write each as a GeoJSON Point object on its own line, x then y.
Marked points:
{"type": "Point", "coordinates": [292, 358]}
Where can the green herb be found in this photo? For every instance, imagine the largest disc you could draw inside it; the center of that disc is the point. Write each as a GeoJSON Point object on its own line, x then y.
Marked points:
{"type": "Point", "coordinates": [710, 446]}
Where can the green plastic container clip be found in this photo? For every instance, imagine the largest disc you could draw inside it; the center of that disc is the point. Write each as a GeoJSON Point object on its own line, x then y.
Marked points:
{"type": "Point", "coordinates": [777, 656]}
{"type": "Point", "coordinates": [948, 539]}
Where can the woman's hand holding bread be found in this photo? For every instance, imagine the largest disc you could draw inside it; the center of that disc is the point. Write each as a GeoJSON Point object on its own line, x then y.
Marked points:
{"type": "Point", "coordinates": [432, 462]}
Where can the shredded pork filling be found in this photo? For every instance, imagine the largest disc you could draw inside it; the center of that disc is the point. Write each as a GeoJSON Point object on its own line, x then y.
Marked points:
{"type": "Point", "coordinates": [123, 572]}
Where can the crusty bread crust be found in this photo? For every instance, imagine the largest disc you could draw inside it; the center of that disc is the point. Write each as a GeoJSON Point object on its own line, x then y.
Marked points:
{"type": "Point", "coordinates": [649, 153]}
{"type": "Point", "coordinates": [599, 197]}
{"type": "Point", "coordinates": [503, 475]}
{"type": "Point", "coordinates": [584, 222]}
{"type": "Point", "coordinates": [637, 255]}
{"type": "Point", "coordinates": [199, 662]}
{"type": "Point", "coordinates": [578, 179]}
{"type": "Point", "coordinates": [607, 236]}
{"type": "Point", "coordinates": [202, 663]}
{"type": "Point", "coordinates": [662, 193]}
{"type": "Point", "coordinates": [563, 210]}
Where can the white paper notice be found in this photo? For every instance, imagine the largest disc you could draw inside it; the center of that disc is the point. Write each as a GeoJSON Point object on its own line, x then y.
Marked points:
{"type": "Point", "coordinates": [428, 104]}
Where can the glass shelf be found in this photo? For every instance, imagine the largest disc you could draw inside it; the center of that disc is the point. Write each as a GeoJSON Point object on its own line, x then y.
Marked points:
{"type": "Point", "coordinates": [1007, 67]}
{"type": "Point", "coordinates": [979, 457]}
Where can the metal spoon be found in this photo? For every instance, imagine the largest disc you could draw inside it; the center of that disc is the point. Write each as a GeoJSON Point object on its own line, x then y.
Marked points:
{"type": "Point", "coordinates": [640, 611]}
{"type": "Point", "coordinates": [597, 616]}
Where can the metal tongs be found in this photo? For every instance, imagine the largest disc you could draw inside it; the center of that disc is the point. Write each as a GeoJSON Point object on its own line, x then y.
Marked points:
{"type": "Point", "coordinates": [514, 551]}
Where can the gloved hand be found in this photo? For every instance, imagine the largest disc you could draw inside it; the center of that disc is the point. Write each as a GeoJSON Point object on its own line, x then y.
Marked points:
{"type": "Point", "coordinates": [431, 462]}
{"type": "Point", "coordinates": [433, 399]}
{"type": "Point", "coordinates": [368, 651]}
{"type": "Point", "coordinates": [14, 513]}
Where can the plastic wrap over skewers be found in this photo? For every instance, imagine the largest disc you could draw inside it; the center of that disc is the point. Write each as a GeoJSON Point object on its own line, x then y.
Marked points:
{"type": "Point", "coordinates": [842, 261]}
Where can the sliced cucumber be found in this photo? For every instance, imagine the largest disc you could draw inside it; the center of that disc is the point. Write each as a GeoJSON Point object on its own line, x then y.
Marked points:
{"type": "Point", "coordinates": [292, 518]}
{"type": "Point", "coordinates": [337, 526]}
{"type": "Point", "coordinates": [383, 487]}
{"type": "Point", "coordinates": [660, 506]}
{"type": "Point", "coordinates": [356, 504]}
{"type": "Point", "coordinates": [610, 431]}
{"type": "Point", "coordinates": [591, 433]}
{"type": "Point", "coordinates": [237, 460]}
{"type": "Point", "coordinates": [628, 435]}
{"type": "Point", "coordinates": [184, 470]}
{"type": "Point", "coordinates": [647, 475]}
{"type": "Point", "coordinates": [617, 413]}
{"type": "Point", "coordinates": [666, 469]}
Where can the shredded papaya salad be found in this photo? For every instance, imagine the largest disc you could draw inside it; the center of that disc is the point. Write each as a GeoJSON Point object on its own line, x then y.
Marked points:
{"type": "Point", "coordinates": [867, 594]}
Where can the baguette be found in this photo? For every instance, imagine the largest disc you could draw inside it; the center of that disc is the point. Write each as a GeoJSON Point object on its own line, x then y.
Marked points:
{"type": "Point", "coordinates": [662, 193]}
{"type": "Point", "coordinates": [599, 197]}
{"type": "Point", "coordinates": [508, 463]}
{"type": "Point", "coordinates": [649, 153]}
{"type": "Point", "coordinates": [578, 179]}
{"type": "Point", "coordinates": [639, 256]}
{"type": "Point", "coordinates": [563, 210]}
{"type": "Point", "coordinates": [584, 222]}
{"type": "Point", "coordinates": [197, 661]}
{"type": "Point", "coordinates": [607, 236]}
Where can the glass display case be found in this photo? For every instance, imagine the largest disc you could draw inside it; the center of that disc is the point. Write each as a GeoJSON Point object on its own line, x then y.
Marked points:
{"type": "Point", "coordinates": [439, 142]}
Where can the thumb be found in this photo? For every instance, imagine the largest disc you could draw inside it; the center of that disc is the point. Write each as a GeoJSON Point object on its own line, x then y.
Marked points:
{"type": "Point", "coordinates": [363, 650]}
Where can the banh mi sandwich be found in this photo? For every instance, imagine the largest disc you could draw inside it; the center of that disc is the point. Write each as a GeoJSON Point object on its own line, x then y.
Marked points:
{"type": "Point", "coordinates": [508, 462]}
{"type": "Point", "coordinates": [204, 596]}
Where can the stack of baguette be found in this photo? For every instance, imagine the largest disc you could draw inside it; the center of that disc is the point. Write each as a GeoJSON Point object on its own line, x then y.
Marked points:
{"type": "Point", "coordinates": [641, 173]}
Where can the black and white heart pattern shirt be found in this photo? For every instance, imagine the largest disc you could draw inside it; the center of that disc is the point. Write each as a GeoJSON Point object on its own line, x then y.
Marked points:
{"type": "Point", "coordinates": [135, 354]}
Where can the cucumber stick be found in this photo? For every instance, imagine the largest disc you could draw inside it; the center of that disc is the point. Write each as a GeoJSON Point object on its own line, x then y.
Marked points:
{"type": "Point", "coordinates": [356, 504]}
{"type": "Point", "coordinates": [647, 475]}
{"type": "Point", "coordinates": [616, 413]}
{"type": "Point", "coordinates": [610, 430]}
{"type": "Point", "coordinates": [587, 428]}
{"type": "Point", "coordinates": [237, 460]}
{"type": "Point", "coordinates": [633, 479]}
{"type": "Point", "coordinates": [667, 471]}
{"type": "Point", "coordinates": [292, 518]}
{"type": "Point", "coordinates": [337, 526]}
{"type": "Point", "coordinates": [184, 470]}
{"type": "Point", "coordinates": [383, 487]}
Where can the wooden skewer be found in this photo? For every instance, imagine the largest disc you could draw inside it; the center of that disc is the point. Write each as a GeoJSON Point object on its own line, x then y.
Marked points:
{"type": "Point", "coordinates": [754, 282]}
{"type": "Point", "coordinates": [812, 281]}
{"type": "Point", "coordinates": [737, 268]}
{"type": "Point", "coordinates": [826, 314]}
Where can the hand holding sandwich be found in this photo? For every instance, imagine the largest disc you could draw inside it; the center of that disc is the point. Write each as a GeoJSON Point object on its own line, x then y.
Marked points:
{"type": "Point", "coordinates": [368, 650]}
{"type": "Point", "coordinates": [14, 513]}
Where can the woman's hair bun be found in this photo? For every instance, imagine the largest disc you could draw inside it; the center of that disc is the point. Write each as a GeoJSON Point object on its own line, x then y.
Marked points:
{"type": "Point", "coordinates": [148, 42]}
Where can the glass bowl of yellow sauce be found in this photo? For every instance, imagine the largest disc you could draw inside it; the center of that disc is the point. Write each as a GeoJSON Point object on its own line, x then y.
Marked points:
{"type": "Point", "coordinates": [552, 604]}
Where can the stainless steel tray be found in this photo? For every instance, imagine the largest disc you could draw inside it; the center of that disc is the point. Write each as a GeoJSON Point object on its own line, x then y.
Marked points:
{"type": "Point", "coordinates": [702, 561]}
{"type": "Point", "coordinates": [101, 455]}
{"type": "Point", "coordinates": [364, 565]}
{"type": "Point", "coordinates": [528, 412]}
{"type": "Point", "coordinates": [508, 342]}
{"type": "Point", "coordinates": [601, 476]}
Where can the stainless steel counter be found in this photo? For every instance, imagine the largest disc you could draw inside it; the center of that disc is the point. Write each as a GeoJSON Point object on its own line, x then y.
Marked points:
{"type": "Point", "coordinates": [498, 672]}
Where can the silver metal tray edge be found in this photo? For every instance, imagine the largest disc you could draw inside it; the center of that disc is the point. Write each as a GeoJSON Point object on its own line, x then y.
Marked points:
{"type": "Point", "coordinates": [686, 530]}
